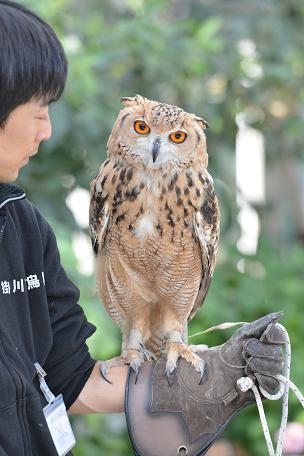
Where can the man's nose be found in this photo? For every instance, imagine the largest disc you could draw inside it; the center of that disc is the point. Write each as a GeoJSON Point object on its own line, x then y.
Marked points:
{"type": "Point", "coordinates": [45, 131]}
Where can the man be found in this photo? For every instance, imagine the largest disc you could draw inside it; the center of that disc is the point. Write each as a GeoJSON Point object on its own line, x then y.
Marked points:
{"type": "Point", "coordinates": [40, 320]}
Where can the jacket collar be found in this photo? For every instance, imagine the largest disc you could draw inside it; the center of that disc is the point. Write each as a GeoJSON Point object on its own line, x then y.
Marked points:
{"type": "Point", "coordinates": [10, 192]}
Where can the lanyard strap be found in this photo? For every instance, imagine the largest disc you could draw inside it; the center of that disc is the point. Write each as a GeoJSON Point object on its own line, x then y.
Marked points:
{"type": "Point", "coordinates": [49, 396]}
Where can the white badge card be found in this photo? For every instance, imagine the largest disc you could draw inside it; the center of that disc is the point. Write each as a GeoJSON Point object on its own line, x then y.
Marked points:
{"type": "Point", "coordinates": [59, 425]}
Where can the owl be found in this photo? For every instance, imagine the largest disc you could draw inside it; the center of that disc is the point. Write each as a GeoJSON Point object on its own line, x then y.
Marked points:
{"type": "Point", "coordinates": [154, 226]}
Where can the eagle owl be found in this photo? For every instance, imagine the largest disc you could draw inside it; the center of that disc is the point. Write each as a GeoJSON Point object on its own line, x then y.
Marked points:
{"type": "Point", "coordinates": [154, 225]}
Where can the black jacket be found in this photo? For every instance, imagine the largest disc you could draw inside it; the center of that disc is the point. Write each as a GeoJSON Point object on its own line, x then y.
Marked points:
{"type": "Point", "coordinates": [40, 321]}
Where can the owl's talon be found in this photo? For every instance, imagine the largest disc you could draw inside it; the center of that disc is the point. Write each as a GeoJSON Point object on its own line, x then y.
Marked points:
{"type": "Point", "coordinates": [135, 364]}
{"type": "Point", "coordinates": [136, 369]}
{"type": "Point", "coordinates": [202, 373]}
{"type": "Point", "coordinates": [170, 368]}
{"type": "Point", "coordinates": [134, 358]}
{"type": "Point", "coordinates": [169, 378]}
{"type": "Point", "coordinates": [104, 370]}
{"type": "Point", "coordinates": [148, 355]}
{"type": "Point", "coordinates": [137, 374]}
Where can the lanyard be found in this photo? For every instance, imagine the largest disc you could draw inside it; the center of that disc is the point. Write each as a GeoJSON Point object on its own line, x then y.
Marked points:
{"type": "Point", "coordinates": [49, 396]}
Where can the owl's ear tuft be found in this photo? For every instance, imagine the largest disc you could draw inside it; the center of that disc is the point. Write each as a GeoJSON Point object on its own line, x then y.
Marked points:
{"type": "Point", "coordinates": [203, 123]}
{"type": "Point", "coordinates": [132, 101]}
{"type": "Point", "coordinates": [128, 101]}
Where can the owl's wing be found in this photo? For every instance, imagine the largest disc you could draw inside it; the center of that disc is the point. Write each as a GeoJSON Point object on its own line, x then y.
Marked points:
{"type": "Point", "coordinates": [99, 211]}
{"type": "Point", "coordinates": [207, 231]}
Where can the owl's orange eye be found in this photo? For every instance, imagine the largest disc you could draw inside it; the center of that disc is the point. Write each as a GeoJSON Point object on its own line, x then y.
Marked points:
{"type": "Point", "coordinates": [141, 127]}
{"type": "Point", "coordinates": [178, 136]}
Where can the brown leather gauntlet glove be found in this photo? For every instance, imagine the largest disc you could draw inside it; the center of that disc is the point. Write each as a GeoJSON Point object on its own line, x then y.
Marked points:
{"type": "Point", "coordinates": [186, 417]}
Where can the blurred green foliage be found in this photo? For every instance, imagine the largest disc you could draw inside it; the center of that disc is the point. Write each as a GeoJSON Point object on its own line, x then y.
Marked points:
{"type": "Point", "coordinates": [215, 58]}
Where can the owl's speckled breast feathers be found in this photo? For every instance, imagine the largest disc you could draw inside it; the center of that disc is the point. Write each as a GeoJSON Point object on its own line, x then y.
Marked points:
{"type": "Point", "coordinates": [154, 222]}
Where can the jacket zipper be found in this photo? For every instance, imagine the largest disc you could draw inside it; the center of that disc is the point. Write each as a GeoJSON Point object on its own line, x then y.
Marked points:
{"type": "Point", "coordinates": [20, 396]}
{"type": "Point", "coordinates": [2, 225]}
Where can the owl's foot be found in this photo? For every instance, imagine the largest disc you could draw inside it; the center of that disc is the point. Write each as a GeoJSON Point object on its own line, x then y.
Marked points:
{"type": "Point", "coordinates": [135, 358]}
{"type": "Point", "coordinates": [105, 366]}
{"type": "Point", "coordinates": [130, 356]}
{"type": "Point", "coordinates": [177, 350]}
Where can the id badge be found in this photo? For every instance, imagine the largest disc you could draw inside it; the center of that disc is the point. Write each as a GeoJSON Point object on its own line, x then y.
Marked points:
{"type": "Point", "coordinates": [59, 426]}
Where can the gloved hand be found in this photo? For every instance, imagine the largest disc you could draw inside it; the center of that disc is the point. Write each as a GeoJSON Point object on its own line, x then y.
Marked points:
{"type": "Point", "coordinates": [261, 353]}
{"type": "Point", "coordinates": [187, 417]}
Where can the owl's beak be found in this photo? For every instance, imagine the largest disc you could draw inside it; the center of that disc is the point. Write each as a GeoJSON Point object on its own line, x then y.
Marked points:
{"type": "Point", "coordinates": [155, 149]}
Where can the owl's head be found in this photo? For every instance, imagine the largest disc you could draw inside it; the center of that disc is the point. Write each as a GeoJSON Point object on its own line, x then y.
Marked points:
{"type": "Point", "coordinates": [158, 134]}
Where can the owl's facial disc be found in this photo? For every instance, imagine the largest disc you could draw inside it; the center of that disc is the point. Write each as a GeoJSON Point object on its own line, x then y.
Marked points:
{"type": "Point", "coordinates": [154, 146]}
{"type": "Point", "coordinates": [158, 141]}
{"type": "Point", "coordinates": [157, 151]}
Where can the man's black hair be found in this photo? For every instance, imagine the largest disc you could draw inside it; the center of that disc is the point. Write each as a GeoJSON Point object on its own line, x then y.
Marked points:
{"type": "Point", "coordinates": [32, 61]}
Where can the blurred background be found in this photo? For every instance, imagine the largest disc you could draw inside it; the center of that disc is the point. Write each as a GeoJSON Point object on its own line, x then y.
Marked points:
{"type": "Point", "coordinates": [238, 64]}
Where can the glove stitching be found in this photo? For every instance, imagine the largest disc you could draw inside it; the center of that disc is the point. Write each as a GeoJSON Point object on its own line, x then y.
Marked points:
{"type": "Point", "coordinates": [184, 387]}
{"type": "Point", "coordinates": [254, 369]}
{"type": "Point", "coordinates": [228, 364]}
